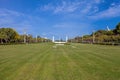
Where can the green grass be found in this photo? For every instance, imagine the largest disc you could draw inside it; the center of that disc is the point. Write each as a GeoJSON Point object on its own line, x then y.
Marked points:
{"type": "Point", "coordinates": [68, 62]}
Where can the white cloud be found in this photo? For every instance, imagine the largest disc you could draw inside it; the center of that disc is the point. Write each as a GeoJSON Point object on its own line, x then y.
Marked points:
{"type": "Point", "coordinates": [47, 7]}
{"type": "Point", "coordinates": [82, 7]}
{"type": "Point", "coordinates": [113, 4]}
{"type": "Point", "coordinates": [14, 19]}
{"type": "Point", "coordinates": [109, 13]}
{"type": "Point", "coordinates": [86, 9]}
{"type": "Point", "coordinates": [67, 7]}
{"type": "Point", "coordinates": [73, 28]}
{"type": "Point", "coordinates": [63, 7]}
{"type": "Point", "coordinates": [99, 1]}
{"type": "Point", "coordinates": [6, 12]}
{"type": "Point", "coordinates": [72, 25]}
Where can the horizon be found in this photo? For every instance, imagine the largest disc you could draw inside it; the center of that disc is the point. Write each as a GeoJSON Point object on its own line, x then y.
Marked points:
{"type": "Point", "coordinates": [59, 18]}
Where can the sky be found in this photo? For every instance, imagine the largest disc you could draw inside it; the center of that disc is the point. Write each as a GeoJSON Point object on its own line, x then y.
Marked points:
{"type": "Point", "coordinates": [59, 18]}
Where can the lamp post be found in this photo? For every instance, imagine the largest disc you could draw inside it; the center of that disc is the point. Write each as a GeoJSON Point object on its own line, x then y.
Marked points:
{"type": "Point", "coordinates": [93, 37]}
{"type": "Point", "coordinates": [36, 38]}
{"type": "Point", "coordinates": [24, 36]}
{"type": "Point", "coordinates": [82, 38]}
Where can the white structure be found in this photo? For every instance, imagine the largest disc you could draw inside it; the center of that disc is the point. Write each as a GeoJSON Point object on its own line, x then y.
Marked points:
{"type": "Point", "coordinates": [59, 42]}
{"type": "Point", "coordinates": [53, 40]}
{"type": "Point", "coordinates": [36, 38]}
{"type": "Point", "coordinates": [108, 29]}
{"type": "Point", "coordinates": [66, 38]}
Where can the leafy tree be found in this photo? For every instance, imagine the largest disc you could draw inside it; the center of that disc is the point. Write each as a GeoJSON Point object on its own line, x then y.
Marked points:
{"type": "Point", "coordinates": [117, 30]}
{"type": "Point", "coordinates": [100, 32]}
{"type": "Point", "coordinates": [8, 35]}
{"type": "Point", "coordinates": [110, 32]}
{"type": "Point", "coordinates": [3, 35]}
{"type": "Point", "coordinates": [29, 38]}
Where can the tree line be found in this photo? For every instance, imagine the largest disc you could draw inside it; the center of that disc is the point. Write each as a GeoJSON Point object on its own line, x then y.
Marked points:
{"type": "Point", "coordinates": [9, 35]}
{"type": "Point", "coordinates": [100, 36]}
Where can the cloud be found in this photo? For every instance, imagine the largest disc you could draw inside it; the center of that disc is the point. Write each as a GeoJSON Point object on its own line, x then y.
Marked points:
{"type": "Point", "coordinates": [6, 12]}
{"type": "Point", "coordinates": [82, 7]}
{"type": "Point", "coordinates": [99, 1]}
{"type": "Point", "coordinates": [46, 7]}
{"type": "Point", "coordinates": [67, 7]}
{"type": "Point", "coordinates": [73, 26]}
{"type": "Point", "coordinates": [8, 16]}
{"type": "Point", "coordinates": [14, 19]}
{"type": "Point", "coordinates": [109, 13]}
{"type": "Point", "coordinates": [63, 7]}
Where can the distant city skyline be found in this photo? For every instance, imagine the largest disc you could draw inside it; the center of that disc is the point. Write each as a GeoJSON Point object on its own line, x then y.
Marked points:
{"type": "Point", "coordinates": [48, 18]}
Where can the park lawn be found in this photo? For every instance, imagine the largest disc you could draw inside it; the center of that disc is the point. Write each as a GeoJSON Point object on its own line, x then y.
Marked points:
{"type": "Point", "coordinates": [62, 62]}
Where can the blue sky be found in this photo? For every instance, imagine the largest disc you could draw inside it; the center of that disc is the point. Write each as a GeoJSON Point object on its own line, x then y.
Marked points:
{"type": "Point", "coordinates": [59, 17]}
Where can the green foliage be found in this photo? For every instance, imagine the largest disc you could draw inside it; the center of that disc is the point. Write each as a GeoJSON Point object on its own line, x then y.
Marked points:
{"type": "Point", "coordinates": [8, 35]}
{"type": "Point", "coordinates": [100, 32]}
{"type": "Point", "coordinates": [117, 30]}
{"type": "Point", "coordinates": [110, 32]}
{"type": "Point", "coordinates": [101, 36]}
{"type": "Point", "coordinates": [86, 36]}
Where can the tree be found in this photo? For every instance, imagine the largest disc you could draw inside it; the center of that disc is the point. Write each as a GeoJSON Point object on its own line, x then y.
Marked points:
{"type": "Point", "coordinates": [100, 32]}
{"type": "Point", "coordinates": [8, 35]}
{"type": "Point", "coordinates": [110, 32]}
{"type": "Point", "coordinates": [29, 38]}
{"type": "Point", "coordinates": [117, 30]}
{"type": "Point", "coordinates": [3, 35]}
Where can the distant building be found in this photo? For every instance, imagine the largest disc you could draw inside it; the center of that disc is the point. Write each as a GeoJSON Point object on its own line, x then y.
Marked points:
{"type": "Point", "coordinates": [59, 41]}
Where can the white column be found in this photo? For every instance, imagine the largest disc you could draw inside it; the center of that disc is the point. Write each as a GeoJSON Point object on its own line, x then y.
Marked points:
{"type": "Point", "coordinates": [36, 38]}
{"type": "Point", "coordinates": [66, 38]}
{"type": "Point", "coordinates": [93, 37]}
{"type": "Point", "coordinates": [24, 37]}
{"type": "Point", "coordinates": [82, 38]}
{"type": "Point", "coordinates": [53, 39]}
{"type": "Point", "coordinates": [108, 29]}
